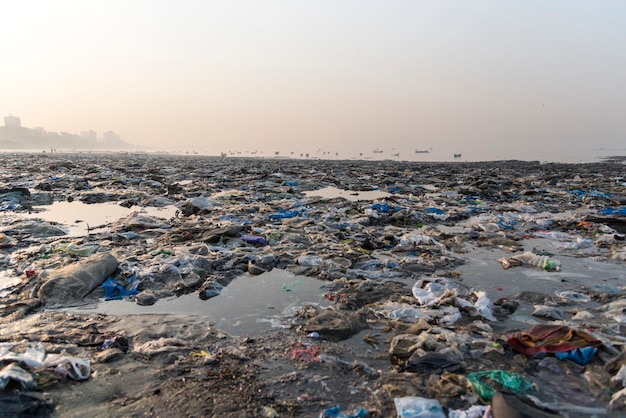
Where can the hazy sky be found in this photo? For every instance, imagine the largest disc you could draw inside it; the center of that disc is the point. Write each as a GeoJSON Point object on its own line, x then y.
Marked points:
{"type": "Point", "coordinates": [489, 79]}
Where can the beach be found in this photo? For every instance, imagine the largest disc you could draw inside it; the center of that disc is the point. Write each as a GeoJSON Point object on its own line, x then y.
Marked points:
{"type": "Point", "coordinates": [153, 285]}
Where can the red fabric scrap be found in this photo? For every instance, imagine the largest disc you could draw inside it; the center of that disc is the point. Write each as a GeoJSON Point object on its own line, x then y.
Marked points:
{"type": "Point", "coordinates": [548, 338]}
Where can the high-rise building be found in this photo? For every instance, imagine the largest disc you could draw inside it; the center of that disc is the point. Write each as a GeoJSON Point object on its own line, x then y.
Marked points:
{"type": "Point", "coordinates": [12, 121]}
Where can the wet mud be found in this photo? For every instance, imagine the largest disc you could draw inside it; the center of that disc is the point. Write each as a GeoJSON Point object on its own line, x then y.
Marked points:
{"type": "Point", "coordinates": [394, 284]}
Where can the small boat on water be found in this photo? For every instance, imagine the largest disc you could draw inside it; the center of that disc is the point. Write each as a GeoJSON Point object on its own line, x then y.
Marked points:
{"type": "Point", "coordinates": [377, 151]}
{"type": "Point", "coordinates": [457, 155]}
{"type": "Point", "coordinates": [422, 151]}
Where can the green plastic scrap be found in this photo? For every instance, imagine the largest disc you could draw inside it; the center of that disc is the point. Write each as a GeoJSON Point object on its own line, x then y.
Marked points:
{"type": "Point", "coordinates": [78, 250]}
{"type": "Point", "coordinates": [482, 383]}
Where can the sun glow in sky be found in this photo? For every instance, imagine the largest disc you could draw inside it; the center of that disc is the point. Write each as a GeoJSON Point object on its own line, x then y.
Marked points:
{"type": "Point", "coordinates": [490, 79]}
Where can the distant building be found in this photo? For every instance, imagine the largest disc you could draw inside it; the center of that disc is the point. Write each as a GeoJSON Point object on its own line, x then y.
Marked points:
{"type": "Point", "coordinates": [89, 135]}
{"type": "Point", "coordinates": [14, 136]}
{"type": "Point", "coordinates": [13, 128]}
{"type": "Point", "coordinates": [12, 121]}
{"type": "Point", "coordinates": [110, 137]}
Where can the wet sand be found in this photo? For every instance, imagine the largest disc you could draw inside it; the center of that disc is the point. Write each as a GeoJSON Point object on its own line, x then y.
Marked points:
{"type": "Point", "coordinates": [392, 224]}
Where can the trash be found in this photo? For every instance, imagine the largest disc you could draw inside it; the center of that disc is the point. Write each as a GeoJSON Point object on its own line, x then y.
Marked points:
{"type": "Point", "coordinates": [486, 383]}
{"type": "Point", "coordinates": [75, 281]}
{"type": "Point", "coordinates": [474, 411]}
{"type": "Point", "coordinates": [253, 239]}
{"type": "Point", "coordinates": [580, 356]}
{"type": "Point", "coordinates": [572, 296]}
{"type": "Point", "coordinates": [78, 250]}
{"type": "Point", "coordinates": [418, 407]}
{"type": "Point", "coordinates": [505, 405]}
{"type": "Point", "coordinates": [549, 338]}
{"type": "Point", "coordinates": [114, 291]}
{"type": "Point", "coordinates": [269, 412]}
{"type": "Point", "coordinates": [532, 259]}
{"type": "Point", "coordinates": [13, 372]}
{"type": "Point", "coordinates": [66, 366]}
{"type": "Point", "coordinates": [436, 363]}
{"type": "Point", "coordinates": [307, 354]}
{"type": "Point", "coordinates": [403, 280]}
{"type": "Point", "coordinates": [285, 214]}
{"type": "Point", "coordinates": [335, 412]}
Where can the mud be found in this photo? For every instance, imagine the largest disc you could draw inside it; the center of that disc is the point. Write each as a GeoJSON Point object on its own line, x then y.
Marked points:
{"type": "Point", "coordinates": [361, 339]}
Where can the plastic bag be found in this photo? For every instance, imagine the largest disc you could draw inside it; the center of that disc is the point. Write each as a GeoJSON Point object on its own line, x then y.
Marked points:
{"type": "Point", "coordinates": [417, 407]}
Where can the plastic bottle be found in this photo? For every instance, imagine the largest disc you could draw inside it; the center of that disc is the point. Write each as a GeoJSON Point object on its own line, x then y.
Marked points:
{"type": "Point", "coordinates": [541, 261]}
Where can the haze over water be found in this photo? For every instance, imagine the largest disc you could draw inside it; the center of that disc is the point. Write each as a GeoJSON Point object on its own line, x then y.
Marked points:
{"type": "Point", "coordinates": [489, 80]}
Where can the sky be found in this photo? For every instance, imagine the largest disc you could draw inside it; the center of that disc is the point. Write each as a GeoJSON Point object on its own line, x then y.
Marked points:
{"type": "Point", "coordinates": [488, 79]}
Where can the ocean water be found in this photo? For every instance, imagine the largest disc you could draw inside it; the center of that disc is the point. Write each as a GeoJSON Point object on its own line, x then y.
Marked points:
{"type": "Point", "coordinates": [468, 153]}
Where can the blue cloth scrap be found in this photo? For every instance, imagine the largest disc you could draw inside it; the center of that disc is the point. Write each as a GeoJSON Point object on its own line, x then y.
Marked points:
{"type": "Point", "coordinates": [282, 214]}
{"type": "Point", "coordinates": [580, 356]}
{"type": "Point", "coordinates": [435, 210]}
{"type": "Point", "coordinates": [614, 211]}
{"type": "Point", "coordinates": [381, 207]}
{"type": "Point", "coordinates": [253, 239]}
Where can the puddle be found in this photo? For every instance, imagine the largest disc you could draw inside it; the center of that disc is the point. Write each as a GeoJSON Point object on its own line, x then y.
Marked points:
{"type": "Point", "coordinates": [483, 271]}
{"type": "Point", "coordinates": [351, 195]}
{"type": "Point", "coordinates": [248, 306]}
{"type": "Point", "coordinates": [75, 217]}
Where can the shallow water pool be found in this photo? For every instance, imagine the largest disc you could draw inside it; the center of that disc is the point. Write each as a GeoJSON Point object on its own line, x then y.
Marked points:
{"type": "Point", "coordinates": [248, 306]}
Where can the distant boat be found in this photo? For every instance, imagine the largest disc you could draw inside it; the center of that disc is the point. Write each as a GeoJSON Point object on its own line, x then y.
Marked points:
{"type": "Point", "coordinates": [422, 151]}
{"type": "Point", "coordinates": [377, 151]}
{"type": "Point", "coordinates": [457, 155]}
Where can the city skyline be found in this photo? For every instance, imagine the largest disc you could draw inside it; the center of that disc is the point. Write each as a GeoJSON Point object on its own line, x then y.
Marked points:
{"type": "Point", "coordinates": [15, 136]}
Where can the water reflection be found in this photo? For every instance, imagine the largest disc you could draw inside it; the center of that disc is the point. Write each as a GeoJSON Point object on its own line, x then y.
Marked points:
{"type": "Point", "coordinates": [248, 306]}
{"type": "Point", "coordinates": [76, 217]}
{"type": "Point", "coordinates": [351, 195]}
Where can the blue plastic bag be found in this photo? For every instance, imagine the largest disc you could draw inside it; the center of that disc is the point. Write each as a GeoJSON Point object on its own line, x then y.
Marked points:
{"type": "Point", "coordinates": [582, 355]}
{"type": "Point", "coordinates": [115, 291]}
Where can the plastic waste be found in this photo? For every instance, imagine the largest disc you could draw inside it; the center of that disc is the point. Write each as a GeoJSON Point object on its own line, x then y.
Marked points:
{"type": "Point", "coordinates": [532, 259]}
{"type": "Point", "coordinates": [32, 357]}
{"type": "Point", "coordinates": [511, 405]}
{"type": "Point", "coordinates": [283, 214]}
{"type": "Point", "coordinates": [310, 260]}
{"type": "Point", "coordinates": [75, 368]}
{"type": "Point", "coordinates": [555, 235]}
{"type": "Point", "coordinates": [483, 383]}
{"type": "Point", "coordinates": [418, 407]}
{"type": "Point", "coordinates": [269, 412]}
{"type": "Point", "coordinates": [483, 306]}
{"type": "Point", "coordinates": [576, 244]}
{"type": "Point", "coordinates": [114, 291]}
{"type": "Point", "coordinates": [14, 372]}
{"type": "Point", "coordinates": [335, 412]}
{"type": "Point", "coordinates": [614, 211]}
{"type": "Point", "coordinates": [253, 239]}
{"type": "Point", "coordinates": [582, 355]}
{"type": "Point", "coordinates": [78, 250]}
{"type": "Point", "coordinates": [474, 411]}
{"type": "Point", "coordinates": [573, 296]}
{"type": "Point", "coordinates": [381, 207]}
